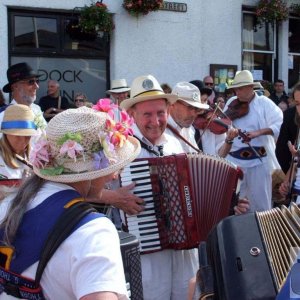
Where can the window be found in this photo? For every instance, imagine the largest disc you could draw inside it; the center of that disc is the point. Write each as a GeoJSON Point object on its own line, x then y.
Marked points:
{"type": "Point", "coordinates": [42, 39]}
{"type": "Point", "coordinates": [258, 44]}
{"type": "Point", "coordinates": [294, 51]}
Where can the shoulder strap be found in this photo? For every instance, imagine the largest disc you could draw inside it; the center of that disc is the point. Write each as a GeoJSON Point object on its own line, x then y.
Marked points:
{"type": "Point", "coordinates": [175, 131]}
{"type": "Point", "coordinates": [59, 102]}
{"type": "Point", "coordinates": [147, 147]}
{"type": "Point", "coordinates": [62, 229]}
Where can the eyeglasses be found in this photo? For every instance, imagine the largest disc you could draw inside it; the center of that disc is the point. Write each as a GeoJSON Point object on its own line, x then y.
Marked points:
{"type": "Point", "coordinates": [31, 81]}
{"type": "Point", "coordinates": [209, 83]}
{"type": "Point", "coordinates": [79, 100]}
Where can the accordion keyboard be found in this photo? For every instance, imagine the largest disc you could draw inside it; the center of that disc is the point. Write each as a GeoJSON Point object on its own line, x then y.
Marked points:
{"type": "Point", "coordinates": [144, 225]}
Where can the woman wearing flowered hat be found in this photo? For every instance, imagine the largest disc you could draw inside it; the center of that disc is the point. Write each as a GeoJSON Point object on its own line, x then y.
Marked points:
{"type": "Point", "coordinates": [81, 145]}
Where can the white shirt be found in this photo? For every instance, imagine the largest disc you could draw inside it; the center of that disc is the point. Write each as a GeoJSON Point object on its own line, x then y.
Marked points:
{"type": "Point", "coordinates": [187, 133]}
{"type": "Point", "coordinates": [263, 113]}
{"type": "Point", "coordinates": [88, 261]}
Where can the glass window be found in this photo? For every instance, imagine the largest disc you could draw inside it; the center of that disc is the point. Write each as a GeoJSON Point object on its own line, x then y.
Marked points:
{"type": "Point", "coordinates": [73, 74]}
{"type": "Point", "coordinates": [258, 47]}
{"type": "Point", "coordinates": [294, 35]}
{"type": "Point", "coordinates": [294, 51]}
{"type": "Point", "coordinates": [257, 37]}
{"type": "Point", "coordinates": [35, 32]}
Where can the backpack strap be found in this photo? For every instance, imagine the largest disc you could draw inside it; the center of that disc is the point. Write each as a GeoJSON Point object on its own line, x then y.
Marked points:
{"type": "Point", "coordinates": [63, 228]}
{"type": "Point", "coordinates": [72, 218]}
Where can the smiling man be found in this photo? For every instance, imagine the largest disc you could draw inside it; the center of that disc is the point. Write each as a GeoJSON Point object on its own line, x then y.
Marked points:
{"type": "Point", "coordinates": [23, 84]}
{"type": "Point", "coordinates": [165, 273]}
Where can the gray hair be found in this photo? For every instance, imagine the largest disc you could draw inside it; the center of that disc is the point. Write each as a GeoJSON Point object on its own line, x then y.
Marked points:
{"type": "Point", "coordinates": [15, 213]}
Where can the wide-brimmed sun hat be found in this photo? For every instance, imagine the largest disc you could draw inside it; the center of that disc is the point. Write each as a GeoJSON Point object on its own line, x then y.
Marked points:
{"type": "Point", "coordinates": [189, 94]}
{"type": "Point", "coordinates": [17, 73]}
{"type": "Point", "coordinates": [118, 86]}
{"type": "Point", "coordinates": [18, 119]}
{"type": "Point", "coordinates": [82, 144]}
{"type": "Point", "coordinates": [145, 88]}
{"type": "Point", "coordinates": [244, 78]}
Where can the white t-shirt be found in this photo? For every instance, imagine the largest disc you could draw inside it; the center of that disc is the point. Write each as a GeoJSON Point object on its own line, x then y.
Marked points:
{"type": "Point", "coordinates": [88, 261]}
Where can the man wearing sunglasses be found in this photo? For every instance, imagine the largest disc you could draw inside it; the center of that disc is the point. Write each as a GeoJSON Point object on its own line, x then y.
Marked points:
{"type": "Point", "coordinates": [23, 83]}
{"type": "Point", "coordinates": [209, 82]}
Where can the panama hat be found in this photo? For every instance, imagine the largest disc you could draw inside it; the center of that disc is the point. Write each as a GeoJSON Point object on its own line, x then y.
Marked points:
{"type": "Point", "coordinates": [244, 78]}
{"type": "Point", "coordinates": [146, 88]}
{"type": "Point", "coordinates": [118, 86]}
{"type": "Point", "coordinates": [82, 144]}
{"type": "Point", "coordinates": [17, 73]}
{"type": "Point", "coordinates": [18, 120]}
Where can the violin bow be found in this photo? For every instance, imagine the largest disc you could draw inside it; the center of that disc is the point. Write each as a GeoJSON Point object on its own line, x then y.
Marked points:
{"type": "Point", "coordinates": [213, 114]}
{"type": "Point", "coordinates": [24, 161]}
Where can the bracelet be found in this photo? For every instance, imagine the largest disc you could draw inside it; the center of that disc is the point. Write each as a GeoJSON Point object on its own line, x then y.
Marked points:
{"type": "Point", "coordinates": [229, 142]}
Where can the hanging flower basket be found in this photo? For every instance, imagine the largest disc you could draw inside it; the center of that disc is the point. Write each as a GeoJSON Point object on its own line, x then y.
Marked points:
{"type": "Point", "coordinates": [96, 18]}
{"type": "Point", "coordinates": [270, 11]}
{"type": "Point", "coordinates": [141, 7]}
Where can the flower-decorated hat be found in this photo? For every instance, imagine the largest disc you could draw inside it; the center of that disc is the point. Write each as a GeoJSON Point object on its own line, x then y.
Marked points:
{"type": "Point", "coordinates": [83, 144]}
{"type": "Point", "coordinates": [145, 88]}
{"type": "Point", "coordinates": [18, 120]}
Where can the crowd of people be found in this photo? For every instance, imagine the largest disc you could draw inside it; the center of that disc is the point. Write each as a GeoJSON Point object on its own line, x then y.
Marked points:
{"type": "Point", "coordinates": [56, 153]}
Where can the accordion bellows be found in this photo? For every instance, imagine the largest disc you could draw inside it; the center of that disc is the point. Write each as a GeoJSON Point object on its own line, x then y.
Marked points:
{"type": "Point", "coordinates": [185, 195]}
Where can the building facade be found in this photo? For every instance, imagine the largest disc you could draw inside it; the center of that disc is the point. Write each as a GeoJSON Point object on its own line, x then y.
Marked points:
{"type": "Point", "coordinates": [211, 37]}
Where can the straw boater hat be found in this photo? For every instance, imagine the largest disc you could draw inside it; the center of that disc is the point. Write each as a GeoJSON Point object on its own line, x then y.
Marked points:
{"type": "Point", "coordinates": [118, 86]}
{"type": "Point", "coordinates": [146, 88]}
{"type": "Point", "coordinates": [78, 147]}
{"type": "Point", "coordinates": [18, 120]}
{"type": "Point", "coordinates": [17, 73]}
{"type": "Point", "coordinates": [244, 78]}
{"type": "Point", "coordinates": [189, 94]}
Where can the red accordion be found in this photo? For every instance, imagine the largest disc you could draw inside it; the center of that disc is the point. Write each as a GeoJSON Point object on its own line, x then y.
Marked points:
{"type": "Point", "coordinates": [185, 195]}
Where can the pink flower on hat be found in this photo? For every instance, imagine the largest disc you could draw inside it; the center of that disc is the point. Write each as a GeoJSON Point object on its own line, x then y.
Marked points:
{"type": "Point", "coordinates": [72, 148]}
{"type": "Point", "coordinates": [105, 105]}
{"type": "Point", "coordinates": [39, 155]}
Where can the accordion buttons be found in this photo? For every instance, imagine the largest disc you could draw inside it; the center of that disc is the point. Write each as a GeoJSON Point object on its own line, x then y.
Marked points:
{"type": "Point", "coordinates": [254, 251]}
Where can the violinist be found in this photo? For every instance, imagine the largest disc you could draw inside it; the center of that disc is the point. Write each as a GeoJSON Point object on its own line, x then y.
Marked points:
{"type": "Point", "coordinates": [183, 113]}
{"type": "Point", "coordinates": [211, 139]}
{"type": "Point", "coordinates": [258, 120]}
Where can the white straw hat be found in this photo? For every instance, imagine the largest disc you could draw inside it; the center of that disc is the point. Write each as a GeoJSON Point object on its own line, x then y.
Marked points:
{"type": "Point", "coordinates": [244, 78]}
{"type": "Point", "coordinates": [82, 144]}
{"type": "Point", "coordinates": [146, 88]}
{"type": "Point", "coordinates": [18, 119]}
{"type": "Point", "coordinates": [190, 94]}
{"type": "Point", "coordinates": [118, 86]}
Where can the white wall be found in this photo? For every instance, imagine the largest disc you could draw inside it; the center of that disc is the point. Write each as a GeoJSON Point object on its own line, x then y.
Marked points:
{"type": "Point", "coordinates": [172, 46]}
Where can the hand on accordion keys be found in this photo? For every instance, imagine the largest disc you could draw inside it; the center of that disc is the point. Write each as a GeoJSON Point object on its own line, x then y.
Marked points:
{"type": "Point", "coordinates": [242, 206]}
{"type": "Point", "coordinates": [128, 202]}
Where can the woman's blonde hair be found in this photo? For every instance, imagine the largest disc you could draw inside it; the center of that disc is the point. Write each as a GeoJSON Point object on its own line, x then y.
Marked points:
{"type": "Point", "coordinates": [8, 154]}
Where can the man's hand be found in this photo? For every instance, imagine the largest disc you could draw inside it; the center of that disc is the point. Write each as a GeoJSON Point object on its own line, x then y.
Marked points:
{"type": "Point", "coordinates": [128, 202]}
{"type": "Point", "coordinates": [242, 206]}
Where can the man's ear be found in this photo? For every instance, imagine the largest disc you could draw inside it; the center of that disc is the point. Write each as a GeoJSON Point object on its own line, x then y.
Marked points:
{"type": "Point", "coordinates": [130, 111]}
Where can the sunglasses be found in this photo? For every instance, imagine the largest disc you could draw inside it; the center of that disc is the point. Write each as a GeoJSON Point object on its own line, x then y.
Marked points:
{"type": "Point", "coordinates": [31, 81]}
{"type": "Point", "coordinates": [208, 83]}
{"type": "Point", "coordinates": [79, 100]}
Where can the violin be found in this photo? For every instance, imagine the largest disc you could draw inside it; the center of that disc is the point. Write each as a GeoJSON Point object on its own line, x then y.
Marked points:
{"type": "Point", "coordinates": [205, 121]}
{"type": "Point", "coordinates": [236, 109]}
{"type": "Point", "coordinates": [242, 134]}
